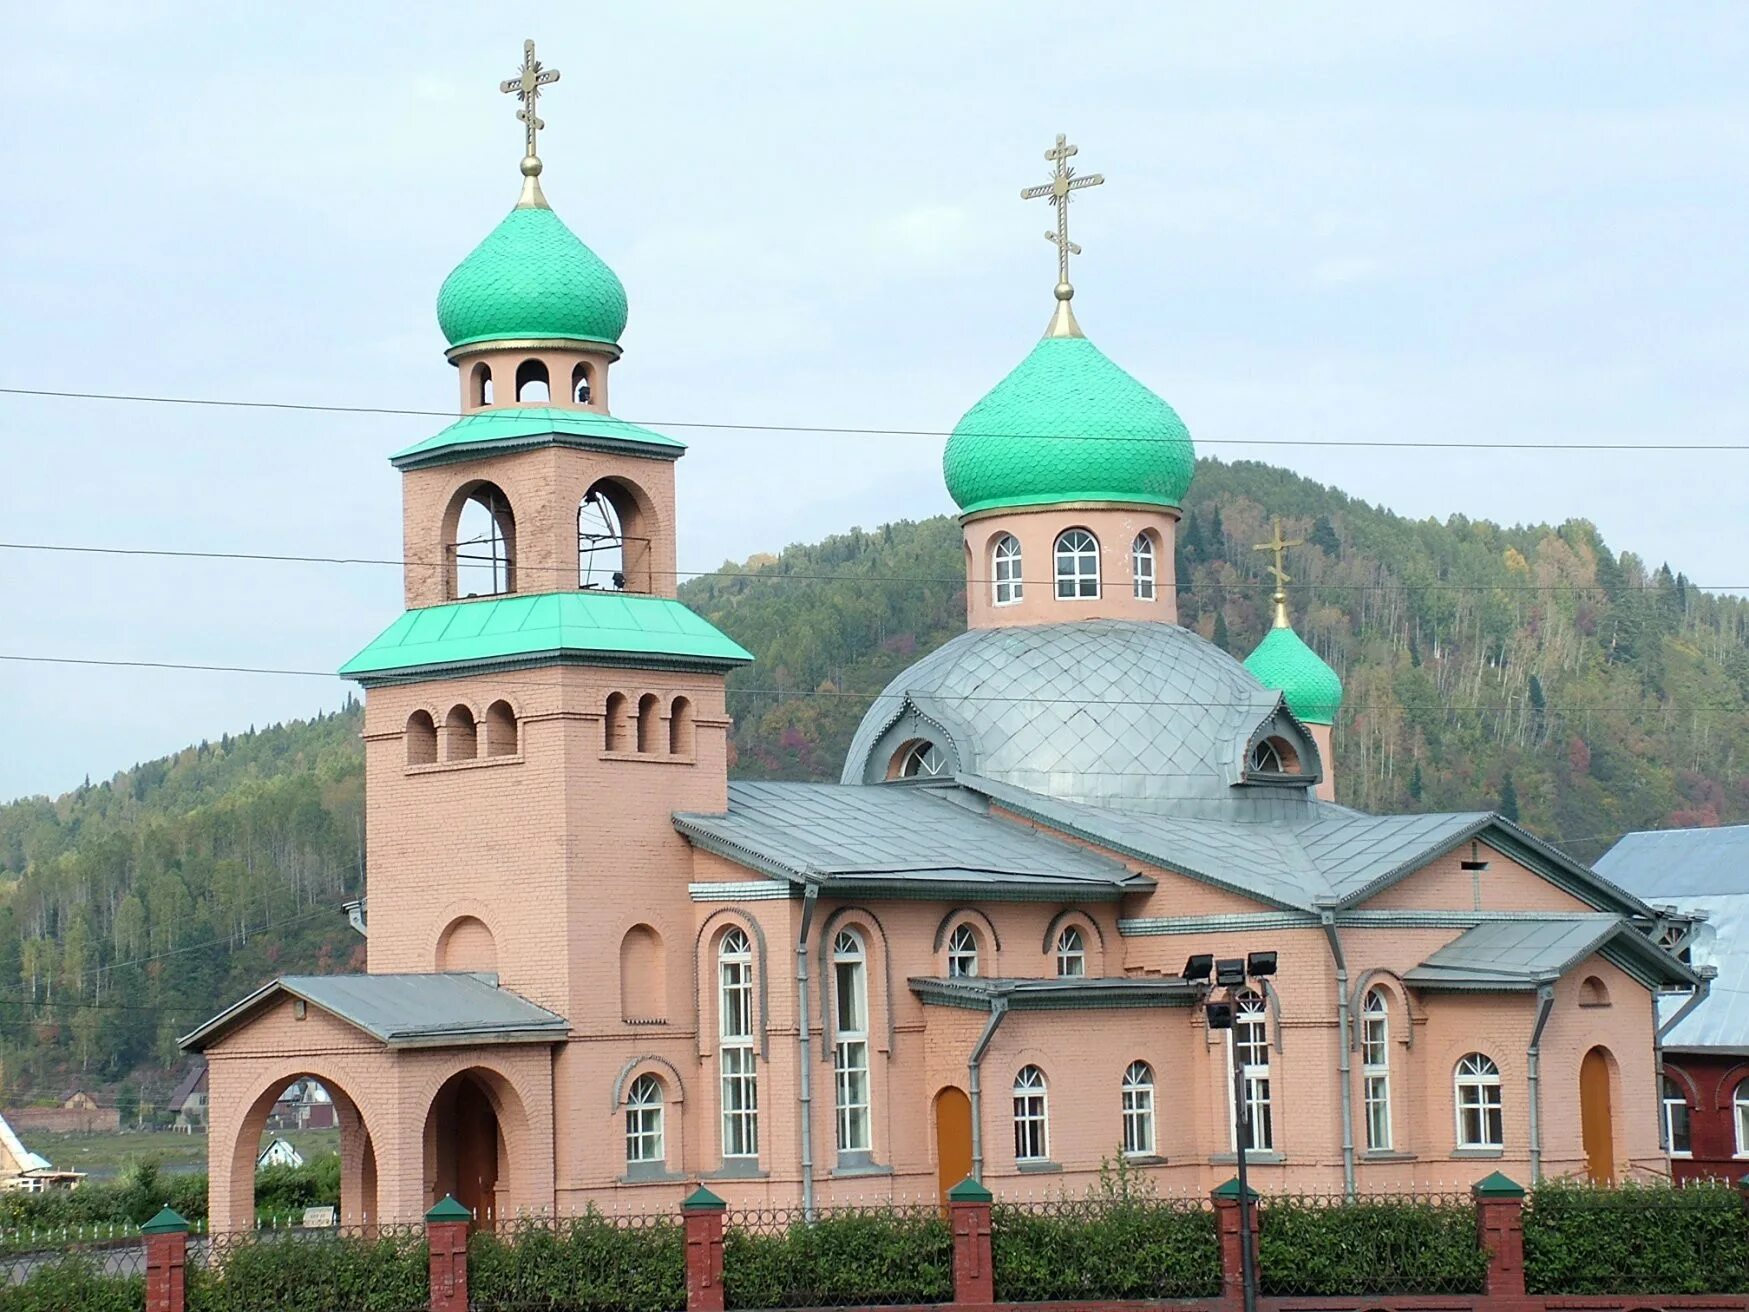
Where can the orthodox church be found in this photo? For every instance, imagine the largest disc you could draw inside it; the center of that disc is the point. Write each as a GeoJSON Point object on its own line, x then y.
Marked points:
{"type": "Point", "coordinates": [600, 971]}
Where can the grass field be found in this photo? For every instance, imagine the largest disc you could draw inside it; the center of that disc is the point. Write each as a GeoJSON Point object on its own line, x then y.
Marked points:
{"type": "Point", "coordinates": [104, 1156]}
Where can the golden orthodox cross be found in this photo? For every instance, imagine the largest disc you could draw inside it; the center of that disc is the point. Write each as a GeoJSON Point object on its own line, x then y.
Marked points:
{"type": "Point", "coordinates": [527, 88]}
{"type": "Point", "coordinates": [1279, 545]}
{"type": "Point", "coordinates": [1063, 182]}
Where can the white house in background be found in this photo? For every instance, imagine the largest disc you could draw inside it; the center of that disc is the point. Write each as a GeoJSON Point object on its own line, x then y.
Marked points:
{"type": "Point", "coordinates": [279, 1153]}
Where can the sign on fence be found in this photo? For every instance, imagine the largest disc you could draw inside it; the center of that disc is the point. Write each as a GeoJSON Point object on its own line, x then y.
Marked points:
{"type": "Point", "coordinates": [318, 1218]}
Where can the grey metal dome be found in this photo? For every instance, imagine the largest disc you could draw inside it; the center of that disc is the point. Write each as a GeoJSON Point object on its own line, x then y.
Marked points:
{"type": "Point", "coordinates": [1121, 713]}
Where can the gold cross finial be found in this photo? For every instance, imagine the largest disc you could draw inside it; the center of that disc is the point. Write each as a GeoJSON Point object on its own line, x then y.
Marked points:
{"type": "Point", "coordinates": [1063, 183]}
{"type": "Point", "coordinates": [1279, 545]}
{"type": "Point", "coordinates": [526, 87]}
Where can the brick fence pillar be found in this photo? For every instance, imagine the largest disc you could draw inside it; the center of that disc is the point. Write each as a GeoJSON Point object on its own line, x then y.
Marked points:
{"type": "Point", "coordinates": [1500, 1224]}
{"type": "Point", "coordinates": [446, 1235]}
{"type": "Point", "coordinates": [974, 1271]}
{"type": "Point", "coordinates": [1226, 1200]}
{"type": "Point", "coordinates": [702, 1215]}
{"type": "Point", "coordinates": [166, 1261]}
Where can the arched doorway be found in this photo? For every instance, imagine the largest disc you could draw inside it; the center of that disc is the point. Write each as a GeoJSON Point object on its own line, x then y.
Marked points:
{"type": "Point", "coordinates": [464, 1147]}
{"type": "Point", "coordinates": [953, 1138]}
{"type": "Point", "coordinates": [1596, 1121]}
{"type": "Point", "coordinates": [277, 1156]}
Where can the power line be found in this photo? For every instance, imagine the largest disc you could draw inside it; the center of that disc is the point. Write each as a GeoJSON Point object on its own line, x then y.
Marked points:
{"type": "Point", "coordinates": [851, 431]}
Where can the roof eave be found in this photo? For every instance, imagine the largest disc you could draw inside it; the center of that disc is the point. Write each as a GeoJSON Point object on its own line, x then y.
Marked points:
{"type": "Point", "coordinates": [421, 672]}
{"type": "Point", "coordinates": [470, 449]}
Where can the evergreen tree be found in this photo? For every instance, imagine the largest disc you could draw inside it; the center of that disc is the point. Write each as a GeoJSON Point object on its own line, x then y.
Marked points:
{"type": "Point", "coordinates": [1415, 784]}
{"type": "Point", "coordinates": [1220, 638]}
{"type": "Point", "coordinates": [1323, 536]}
{"type": "Point", "coordinates": [1508, 807]}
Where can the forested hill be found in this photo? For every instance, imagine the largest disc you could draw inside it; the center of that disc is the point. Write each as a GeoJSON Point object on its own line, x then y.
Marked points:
{"type": "Point", "coordinates": [1529, 669]}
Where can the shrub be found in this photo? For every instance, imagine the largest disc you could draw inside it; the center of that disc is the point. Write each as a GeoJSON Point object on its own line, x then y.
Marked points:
{"type": "Point", "coordinates": [1318, 1246]}
{"type": "Point", "coordinates": [1636, 1238]}
{"type": "Point", "coordinates": [312, 1273]}
{"type": "Point", "coordinates": [879, 1255]}
{"type": "Point", "coordinates": [74, 1282]}
{"type": "Point", "coordinates": [588, 1264]}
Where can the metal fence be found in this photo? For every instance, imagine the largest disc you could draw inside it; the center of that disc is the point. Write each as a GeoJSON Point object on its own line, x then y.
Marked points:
{"type": "Point", "coordinates": [859, 1256]}
{"type": "Point", "coordinates": [1105, 1247]}
{"type": "Point", "coordinates": [377, 1268]}
{"type": "Point", "coordinates": [1413, 1242]}
{"type": "Point", "coordinates": [591, 1262]}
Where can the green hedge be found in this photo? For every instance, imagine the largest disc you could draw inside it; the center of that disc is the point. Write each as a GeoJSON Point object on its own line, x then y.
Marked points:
{"type": "Point", "coordinates": [875, 1256]}
{"type": "Point", "coordinates": [589, 1264]}
{"type": "Point", "coordinates": [1308, 1247]}
{"type": "Point", "coordinates": [1634, 1239]}
{"type": "Point", "coordinates": [331, 1274]}
{"type": "Point", "coordinates": [139, 1192]}
{"type": "Point", "coordinates": [73, 1282]}
{"type": "Point", "coordinates": [1100, 1248]}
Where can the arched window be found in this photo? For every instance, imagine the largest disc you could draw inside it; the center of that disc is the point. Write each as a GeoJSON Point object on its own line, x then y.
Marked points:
{"type": "Point", "coordinates": [1676, 1135]}
{"type": "Point", "coordinates": [1005, 570]}
{"type": "Point", "coordinates": [1375, 1069]}
{"type": "Point", "coordinates": [1138, 1110]}
{"type": "Point", "coordinates": [1248, 1046]}
{"type": "Point", "coordinates": [1480, 1120]}
{"type": "Point", "coordinates": [1031, 1116]}
{"type": "Point", "coordinates": [918, 759]}
{"type": "Point", "coordinates": [1142, 566]}
{"type": "Point", "coordinates": [740, 1079]}
{"type": "Point", "coordinates": [611, 553]}
{"type": "Point", "coordinates": [680, 727]}
{"type": "Point", "coordinates": [501, 730]}
{"type": "Point", "coordinates": [580, 384]}
{"type": "Point", "coordinates": [850, 1050]}
{"type": "Point", "coordinates": [532, 383]}
{"type": "Point", "coordinates": [1077, 565]}
{"type": "Point", "coordinates": [481, 378]}
{"type": "Point", "coordinates": [461, 741]}
{"type": "Point", "coordinates": [962, 953]}
{"type": "Point", "coordinates": [644, 1121]}
{"type": "Point", "coordinates": [649, 721]}
{"type": "Point", "coordinates": [483, 556]}
{"type": "Point", "coordinates": [1275, 756]}
{"type": "Point", "coordinates": [1071, 953]}
{"type": "Point", "coordinates": [421, 738]}
{"type": "Point", "coordinates": [614, 723]}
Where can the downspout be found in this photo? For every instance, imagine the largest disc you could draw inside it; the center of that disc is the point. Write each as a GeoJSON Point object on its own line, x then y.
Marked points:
{"type": "Point", "coordinates": [1707, 975]}
{"type": "Point", "coordinates": [1344, 1059]}
{"type": "Point", "coordinates": [1545, 1003]}
{"type": "Point", "coordinates": [974, 1082]}
{"type": "Point", "coordinates": [804, 1047]}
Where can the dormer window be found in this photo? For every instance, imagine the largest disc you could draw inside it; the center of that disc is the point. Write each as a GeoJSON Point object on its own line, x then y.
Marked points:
{"type": "Point", "coordinates": [1275, 756]}
{"type": "Point", "coordinates": [918, 759]}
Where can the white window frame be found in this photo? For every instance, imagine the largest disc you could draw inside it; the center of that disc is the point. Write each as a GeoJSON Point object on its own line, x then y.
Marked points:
{"type": "Point", "coordinates": [1476, 1091]}
{"type": "Point", "coordinates": [645, 1112]}
{"type": "Point", "coordinates": [1071, 953]}
{"type": "Point", "coordinates": [736, 1058]}
{"type": "Point", "coordinates": [1250, 1037]}
{"type": "Point", "coordinates": [1138, 1110]}
{"type": "Point", "coordinates": [1674, 1097]}
{"type": "Point", "coordinates": [851, 1101]}
{"type": "Point", "coordinates": [1076, 560]}
{"type": "Point", "coordinates": [1740, 1117]}
{"type": "Point", "coordinates": [962, 952]}
{"type": "Point", "coordinates": [1375, 1069]}
{"type": "Point", "coordinates": [922, 759]}
{"type": "Point", "coordinates": [1032, 1116]}
{"type": "Point", "coordinates": [1142, 561]}
{"type": "Point", "coordinates": [1006, 583]}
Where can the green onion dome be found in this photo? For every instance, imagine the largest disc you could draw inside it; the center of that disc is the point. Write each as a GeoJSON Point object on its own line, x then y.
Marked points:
{"type": "Point", "coordinates": [1068, 425]}
{"type": "Point", "coordinates": [531, 278]}
{"type": "Point", "coordinates": [1310, 687]}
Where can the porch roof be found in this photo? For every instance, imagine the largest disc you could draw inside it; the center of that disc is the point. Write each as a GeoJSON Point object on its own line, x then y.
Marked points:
{"type": "Point", "coordinates": [1525, 952]}
{"type": "Point", "coordinates": [974, 993]}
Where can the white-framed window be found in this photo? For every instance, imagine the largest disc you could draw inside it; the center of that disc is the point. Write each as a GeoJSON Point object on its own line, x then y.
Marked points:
{"type": "Point", "coordinates": [1071, 953]}
{"type": "Point", "coordinates": [1005, 570]}
{"type": "Point", "coordinates": [1248, 1043]}
{"type": "Point", "coordinates": [644, 1121]}
{"type": "Point", "coordinates": [1480, 1121]}
{"type": "Point", "coordinates": [1138, 1110]}
{"type": "Point", "coordinates": [1676, 1132]}
{"type": "Point", "coordinates": [962, 952]}
{"type": "Point", "coordinates": [1032, 1140]}
{"type": "Point", "coordinates": [1740, 1115]}
{"type": "Point", "coordinates": [1077, 558]}
{"type": "Point", "coordinates": [1142, 566]}
{"type": "Point", "coordinates": [921, 759]}
{"type": "Point", "coordinates": [850, 1049]}
{"type": "Point", "coordinates": [1375, 1068]}
{"type": "Point", "coordinates": [740, 1078]}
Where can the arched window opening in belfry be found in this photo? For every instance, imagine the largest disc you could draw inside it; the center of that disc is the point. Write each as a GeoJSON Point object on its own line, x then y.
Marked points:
{"type": "Point", "coordinates": [582, 384]}
{"type": "Point", "coordinates": [918, 759]}
{"type": "Point", "coordinates": [613, 541]}
{"type": "Point", "coordinates": [421, 738]}
{"type": "Point", "coordinates": [531, 382]}
{"type": "Point", "coordinates": [680, 739]}
{"type": "Point", "coordinates": [501, 730]}
{"type": "Point", "coordinates": [482, 555]}
{"type": "Point", "coordinates": [481, 384]}
{"type": "Point", "coordinates": [649, 722]}
{"type": "Point", "coordinates": [614, 733]}
{"type": "Point", "coordinates": [461, 739]}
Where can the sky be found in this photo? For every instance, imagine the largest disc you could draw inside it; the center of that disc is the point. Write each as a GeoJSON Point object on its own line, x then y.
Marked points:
{"type": "Point", "coordinates": [1321, 222]}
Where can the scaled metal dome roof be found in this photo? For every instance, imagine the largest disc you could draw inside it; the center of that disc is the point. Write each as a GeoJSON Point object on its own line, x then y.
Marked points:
{"type": "Point", "coordinates": [531, 278]}
{"type": "Point", "coordinates": [1312, 689]}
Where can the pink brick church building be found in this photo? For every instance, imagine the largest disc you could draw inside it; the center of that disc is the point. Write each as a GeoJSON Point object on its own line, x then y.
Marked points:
{"type": "Point", "coordinates": [602, 972]}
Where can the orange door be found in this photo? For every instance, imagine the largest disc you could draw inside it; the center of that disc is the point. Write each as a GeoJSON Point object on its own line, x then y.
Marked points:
{"type": "Point", "coordinates": [953, 1138]}
{"type": "Point", "coordinates": [1596, 1124]}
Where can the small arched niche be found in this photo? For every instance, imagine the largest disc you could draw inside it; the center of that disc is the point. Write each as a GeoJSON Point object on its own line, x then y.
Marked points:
{"type": "Point", "coordinates": [421, 738]}
{"type": "Point", "coordinates": [680, 728]}
{"type": "Point", "coordinates": [582, 383]}
{"type": "Point", "coordinates": [480, 383]}
{"type": "Point", "coordinates": [501, 739]}
{"type": "Point", "coordinates": [461, 738]}
{"type": "Point", "coordinates": [532, 384]}
{"type": "Point", "coordinates": [649, 722]}
{"type": "Point", "coordinates": [467, 944]}
{"type": "Point", "coordinates": [613, 538]}
{"type": "Point", "coordinates": [613, 723]}
{"type": "Point", "coordinates": [480, 542]}
{"type": "Point", "coordinates": [1593, 992]}
{"type": "Point", "coordinates": [643, 979]}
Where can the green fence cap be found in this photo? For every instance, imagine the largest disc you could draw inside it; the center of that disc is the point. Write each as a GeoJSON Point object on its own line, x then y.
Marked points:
{"type": "Point", "coordinates": [449, 1210]}
{"type": "Point", "coordinates": [167, 1222]}
{"type": "Point", "coordinates": [1497, 1186]}
{"type": "Point", "coordinates": [703, 1200]}
{"type": "Point", "coordinates": [969, 1190]}
{"type": "Point", "coordinates": [1231, 1190]}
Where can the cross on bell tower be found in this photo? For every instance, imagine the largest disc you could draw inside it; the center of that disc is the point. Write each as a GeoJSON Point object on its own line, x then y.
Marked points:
{"type": "Point", "coordinates": [1063, 184]}
{"type": "Point", "coordinates": [1278, 547]}
{"type": "Point", "coordinates": [526, 88]}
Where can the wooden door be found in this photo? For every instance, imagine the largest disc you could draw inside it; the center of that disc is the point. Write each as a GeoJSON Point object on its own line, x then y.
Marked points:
{"type": "Point", "coordinates": [1596, 1123]}
{"type": "Point", "coordinates": [476, 1153]}
{"type": "Point", "coordinates": [953, 1138]}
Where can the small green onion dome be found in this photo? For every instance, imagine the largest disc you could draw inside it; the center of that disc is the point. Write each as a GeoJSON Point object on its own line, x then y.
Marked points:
{"type": "Point", "coordinates": [1310, 687]}
{"type": "Point", "coordinates": [531, 278]}
{"type": "Point", "coordinates": [1068, 425]}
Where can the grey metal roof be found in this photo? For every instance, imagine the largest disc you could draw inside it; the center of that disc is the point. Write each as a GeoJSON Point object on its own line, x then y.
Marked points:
{"type": "Point", "coordinates": [404, 1011]}
{"type": "Point", "coordinates": [1721, 1022]}
{"type": "Point", "coordinates": [1525, 952]}
{"type": "Point", "coordinates": [980, 994]}
{"type": "Point", "coordinates": [899, 840]}
{"type": "Point", "coordinates": [1664, 865]}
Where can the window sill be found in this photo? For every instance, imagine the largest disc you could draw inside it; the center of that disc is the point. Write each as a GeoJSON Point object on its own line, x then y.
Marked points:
{"type": "Point", "coordinates": [650, 758]}
{"type": "Point", "coordinates": [1387, 1155]}
{"type": "Point", "coordinates": [745, 1168]}
{"type": "Point", "coordinates": [1144, 1159]}
{"type": "Point", "coordinates": [1478, 1152]}
{"type": "Point", "coordinates": [1254, 1157]}
{"type": "Point", "coordinates": [473, 763]}
{"type": "Point", "coordinates": [850, 1169]}
{"type": "Point", "coordinates": [1039, 1167]}
{"type": "Point", "coordinates": [1682, 1157]}
{"type": "Point", "coordinates": [651, 1173]}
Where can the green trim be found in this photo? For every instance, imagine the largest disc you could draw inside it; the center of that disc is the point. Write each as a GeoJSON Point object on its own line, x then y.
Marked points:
{"type": "Point", "coordinates": [526, 427]}
{"type": "Point", "coordinates": [969, 1190]}
{"type": "Point", "coordinates": [167, 1222]}
{"type": "Point", "coordinates": [702, 1200]}
{"type": "Point", "coordinates": [1496, 1185]}
{"type": "Point", "coordinates": [1231, 1188]}
{"type": "Point", "coordinates": [448, 1209]}
{"type": "Point", "coordinates": [1096, 499]}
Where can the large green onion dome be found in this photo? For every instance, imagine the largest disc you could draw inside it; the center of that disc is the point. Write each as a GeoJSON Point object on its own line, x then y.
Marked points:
{"type": "Point", "coordinates": [531, 278]}
{"type": "Point", "coordinates": [1068, 425]}
{"type": "Point", "coordinates": [1310, 687]}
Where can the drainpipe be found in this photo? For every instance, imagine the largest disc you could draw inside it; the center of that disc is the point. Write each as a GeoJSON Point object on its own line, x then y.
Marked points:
{"type": "Point", "coordinates": [1344, 1059]}
{"type": "Point", "coordinates": [804, 1046]}
{"type": "Point", "coordinates": [1707, 975]}
{"type": "Point", "coordinates": [1545, 1003]}
{"type": "Point", "coordinates": [974, 1081]}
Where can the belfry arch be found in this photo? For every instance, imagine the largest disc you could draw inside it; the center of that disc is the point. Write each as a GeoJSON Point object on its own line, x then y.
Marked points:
{"type": "Point", "coordinates": [615, 525]}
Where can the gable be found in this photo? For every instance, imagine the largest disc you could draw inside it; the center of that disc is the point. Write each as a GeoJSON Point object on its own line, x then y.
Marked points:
{"type": "Point", "coordinates": [1444, 885]}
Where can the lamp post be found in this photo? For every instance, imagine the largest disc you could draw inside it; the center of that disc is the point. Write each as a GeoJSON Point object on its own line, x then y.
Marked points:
{"type": "Point", "coordinates": [1231, 973]}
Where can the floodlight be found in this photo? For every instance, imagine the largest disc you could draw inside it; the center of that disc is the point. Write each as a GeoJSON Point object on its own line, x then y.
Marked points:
{"type": "Point", "coordinates": [1230, 972]}
{"type": "Point", "coordinates": [1259, 964]}
{"type": "Point", "coordinates": [1219, 1015]}
{"type": "Point", "coordinates": [1199, 967]}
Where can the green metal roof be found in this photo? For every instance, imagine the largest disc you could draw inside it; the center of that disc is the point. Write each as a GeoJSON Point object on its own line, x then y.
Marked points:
{"type": "Point", "coordinates": [1068, 425]}
{"type": "Point", "coordinates": [531, 278]}
{"type": "Point", "coordinates": [590, 627]}
{"type": "Point", "coordinates": [517, 427]}
{"type": "Point", "coordinates": [1309, 686]}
